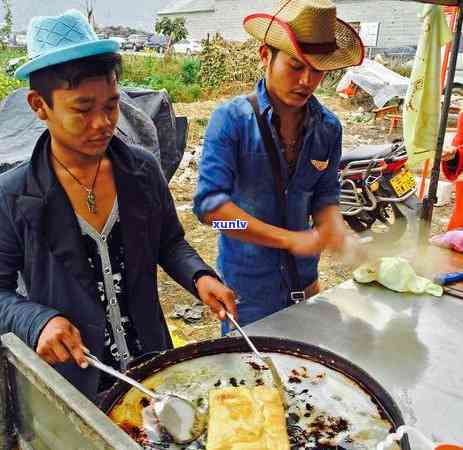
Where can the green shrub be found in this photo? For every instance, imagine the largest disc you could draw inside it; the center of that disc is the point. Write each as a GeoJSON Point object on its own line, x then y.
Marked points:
{"type": "Point", "coordinates": [7, 54]}
{"type": "Point", "coordinates": [178, 76]}
{"type": "Point", "coordinates": [7, 85]}
{"type": "Point", "coordinates": [178, 91]}
{"type": "Point", "coordinates": [137, 68]}
{"type": "Point", "coordinates": [176, 88]}
{"type": "Point", "coordinates": [224, 62]}
{"type": "Point", "coordinates": [190, 70]}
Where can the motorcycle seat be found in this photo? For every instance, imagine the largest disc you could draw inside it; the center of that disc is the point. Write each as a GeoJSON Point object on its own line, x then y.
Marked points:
{"type": "Point", "coordinates": [364, 152]}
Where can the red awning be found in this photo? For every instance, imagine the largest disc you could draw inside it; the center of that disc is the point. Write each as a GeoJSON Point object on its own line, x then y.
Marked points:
{"type": "Point", "coordinates": [439, 2]}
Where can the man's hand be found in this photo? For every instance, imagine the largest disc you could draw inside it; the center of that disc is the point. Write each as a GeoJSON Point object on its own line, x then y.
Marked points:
{"type": "Point", "coordinates": [331, 228]}
{"type": "Point", "coordinates": [333, 238]}
{"type": "Point", "coordinates": [448, 153]}
{"type": "Point", "coordinates": [304, 243]}
{"type": "Point", "coordinates": [60, 342]}
{"type": "Point", "coordinates": [217, 296]}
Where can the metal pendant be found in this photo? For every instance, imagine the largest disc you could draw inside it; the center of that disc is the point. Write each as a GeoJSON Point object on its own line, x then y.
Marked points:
{"type": "Point", "coordinates": [91, 202]}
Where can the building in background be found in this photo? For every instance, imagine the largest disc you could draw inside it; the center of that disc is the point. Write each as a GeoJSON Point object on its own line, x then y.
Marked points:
{"type": "Point", "coordinates": [208, 17]}
{"type": "Point", "coordinates": [383, 23]}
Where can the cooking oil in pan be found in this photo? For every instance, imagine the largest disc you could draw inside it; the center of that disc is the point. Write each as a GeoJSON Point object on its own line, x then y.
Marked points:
{"type": "Point", "coordinates": [326, 410]}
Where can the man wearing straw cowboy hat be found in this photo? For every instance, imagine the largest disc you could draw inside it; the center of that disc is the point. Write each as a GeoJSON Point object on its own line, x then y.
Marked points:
{"type": "Point", "coordinates": [86, 221]}
{"type": "Point", "coordinates": [270, 160]}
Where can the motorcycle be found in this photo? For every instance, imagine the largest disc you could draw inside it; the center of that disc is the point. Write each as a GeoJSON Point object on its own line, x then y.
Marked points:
{"type": "Point", "coordinates": [378, 192]}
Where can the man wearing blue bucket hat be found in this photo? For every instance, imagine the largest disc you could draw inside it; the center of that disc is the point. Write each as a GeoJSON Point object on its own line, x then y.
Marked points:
{"type": "Point", "coordinates": [86, 221]}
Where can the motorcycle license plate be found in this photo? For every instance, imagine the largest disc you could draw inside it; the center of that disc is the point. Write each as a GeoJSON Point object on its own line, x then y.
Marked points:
{"type": "Point", "coordinates": [403, 183]}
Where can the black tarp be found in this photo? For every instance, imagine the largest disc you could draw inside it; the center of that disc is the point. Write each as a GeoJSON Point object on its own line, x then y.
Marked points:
{"type": "Point", "coordinates": [147, 118]}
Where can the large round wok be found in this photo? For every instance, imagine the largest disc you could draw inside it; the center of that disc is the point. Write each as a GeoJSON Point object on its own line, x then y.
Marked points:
{"type": "Point", "coordinates": [280, 350]}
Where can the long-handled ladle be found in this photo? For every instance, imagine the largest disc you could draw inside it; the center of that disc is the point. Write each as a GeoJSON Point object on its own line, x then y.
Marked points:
{"type": "Point", "coordinates": [171, 414]}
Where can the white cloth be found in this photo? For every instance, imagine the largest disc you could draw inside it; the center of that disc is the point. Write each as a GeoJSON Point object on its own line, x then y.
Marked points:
{"type": "Point", "coordinates": [377, 80]}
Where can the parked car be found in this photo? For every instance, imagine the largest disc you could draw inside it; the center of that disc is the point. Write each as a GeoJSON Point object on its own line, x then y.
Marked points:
{"type": "Point", "coordinates": [404, 53]}
{"type": "Point", "coordinates": [188, 47]}
{"type": "Point", "coordinates": [157, 42]}
{"type": "Point", "coordinates": [136, 42]}
{"type": "Point", "coordinates": [125, 45]}
{"type": "Point", "coordinates": [119, 39]}
{"type": "Point", "coordinates": [398, 55]}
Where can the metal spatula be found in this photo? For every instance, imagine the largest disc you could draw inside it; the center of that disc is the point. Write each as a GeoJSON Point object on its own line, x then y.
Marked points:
{"type": "Point", "coordinates": [172, 415]}
{"type": "Point", "coordinates": [265, 359]}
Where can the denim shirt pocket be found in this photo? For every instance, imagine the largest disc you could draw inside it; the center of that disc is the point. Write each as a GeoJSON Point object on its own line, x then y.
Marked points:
{"type": "Point", "coordinates": [255, 170]}
{"type": "Point", "coordinates": [309, 174]}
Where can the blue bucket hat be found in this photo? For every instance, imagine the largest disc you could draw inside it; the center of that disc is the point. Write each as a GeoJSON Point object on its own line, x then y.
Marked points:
{"type": "Point", "coordinates": [53, 40]}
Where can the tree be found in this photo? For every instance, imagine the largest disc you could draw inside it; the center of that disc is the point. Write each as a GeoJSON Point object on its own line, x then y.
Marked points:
{"type": "Point", "coordinates": [7, 27]}
{"type": "Point", "coordinates": [174, 30]}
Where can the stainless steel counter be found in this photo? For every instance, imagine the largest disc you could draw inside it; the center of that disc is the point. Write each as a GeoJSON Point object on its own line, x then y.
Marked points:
{"type": "Point", "coordinates": [411, 344]}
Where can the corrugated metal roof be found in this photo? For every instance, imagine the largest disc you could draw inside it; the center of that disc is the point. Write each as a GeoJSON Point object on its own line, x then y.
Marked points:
{"type": "Point", "coordinates": [188, 6]}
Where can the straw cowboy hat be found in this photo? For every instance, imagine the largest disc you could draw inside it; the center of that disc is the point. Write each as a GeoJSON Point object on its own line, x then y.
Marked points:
{"type": "Point", "coordinates": [53, 40]}
{"type": "Point", "coordinates": [309, 30]}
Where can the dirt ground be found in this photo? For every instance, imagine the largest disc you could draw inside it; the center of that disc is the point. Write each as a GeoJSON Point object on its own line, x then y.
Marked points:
{"type": "Point", "coordinates": [359, 128]}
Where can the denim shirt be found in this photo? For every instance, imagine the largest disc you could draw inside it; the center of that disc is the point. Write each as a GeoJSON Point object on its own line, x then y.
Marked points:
{"type": "Point", "coordinates": [235, 167]}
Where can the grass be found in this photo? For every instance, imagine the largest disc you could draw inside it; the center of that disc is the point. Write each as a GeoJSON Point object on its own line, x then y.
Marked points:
{"type": "Point", "coordinates": [179, 76]}
{"type": "Point", "coordinates": [7, 83]}
{"type": "Point", "coordinates": [7, 54]}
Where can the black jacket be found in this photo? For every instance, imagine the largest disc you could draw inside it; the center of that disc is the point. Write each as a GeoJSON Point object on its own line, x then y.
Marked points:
{"type": "Point", "coordinates": [40, 238]}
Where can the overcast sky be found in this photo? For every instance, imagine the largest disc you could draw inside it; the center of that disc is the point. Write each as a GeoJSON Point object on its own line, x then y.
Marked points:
{"type": "Point", "coordinates": [134, 13]}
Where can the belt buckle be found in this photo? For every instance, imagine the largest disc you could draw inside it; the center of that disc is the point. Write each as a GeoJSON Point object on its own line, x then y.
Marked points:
{"type": "Point", "coordinates": [298, 296]}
